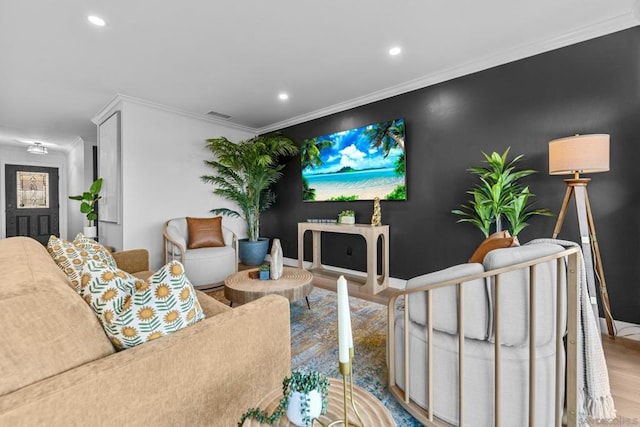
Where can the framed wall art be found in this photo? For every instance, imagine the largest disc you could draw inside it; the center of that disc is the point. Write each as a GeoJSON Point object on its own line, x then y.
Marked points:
{"type": "Point", "coordinates": [356, 164]}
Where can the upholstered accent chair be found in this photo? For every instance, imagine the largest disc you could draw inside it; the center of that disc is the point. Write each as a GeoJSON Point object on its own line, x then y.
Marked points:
{"type": "Point", "coordinates": [204, 266]}
{"type": "Point", "coordinates": [511, 312]}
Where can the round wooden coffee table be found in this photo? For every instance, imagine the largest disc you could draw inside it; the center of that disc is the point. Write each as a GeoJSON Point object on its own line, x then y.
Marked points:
{"type": "Point", "coordinates": [295, 284]}
{"type": "Point", "coordinates": [371, 410]}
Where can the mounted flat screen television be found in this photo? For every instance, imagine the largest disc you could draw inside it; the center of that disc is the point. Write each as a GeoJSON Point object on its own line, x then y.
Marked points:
{"type": "Point", "coordinates": [356, 164]}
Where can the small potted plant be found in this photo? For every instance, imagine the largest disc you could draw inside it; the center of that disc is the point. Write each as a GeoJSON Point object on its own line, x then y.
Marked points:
{"type": "Point", "coordinates": [347, 217]}
{"type": "Point", "coordinates": [304, 398]}
{"type": "Point", "coordinates": [88, 206]}
{"type": "Point", "coordinates": [264, 272]}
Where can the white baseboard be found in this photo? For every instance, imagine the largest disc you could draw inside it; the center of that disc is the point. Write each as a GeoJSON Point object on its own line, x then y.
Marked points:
{"type": "Point", "coordinates": [623, 329]}
{"type": "Point", "coordinates": [393, 282]}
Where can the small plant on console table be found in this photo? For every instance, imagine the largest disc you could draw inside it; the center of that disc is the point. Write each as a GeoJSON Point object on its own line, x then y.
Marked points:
{"type": "Point", "coordinates": [347, 217]}
{"type": "Point", "coordinates": [305, 397]}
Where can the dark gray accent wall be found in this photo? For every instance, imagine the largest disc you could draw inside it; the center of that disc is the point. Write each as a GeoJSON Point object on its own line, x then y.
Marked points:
{"type": "Point", "coordinates": [590, 87]}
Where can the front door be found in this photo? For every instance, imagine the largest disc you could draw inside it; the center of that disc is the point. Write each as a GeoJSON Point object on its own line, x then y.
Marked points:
{"type": "Point", "coordinates": [32, 202]}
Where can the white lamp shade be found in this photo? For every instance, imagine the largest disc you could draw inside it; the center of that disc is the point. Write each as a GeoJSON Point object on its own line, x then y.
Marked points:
{"type": "Point", "coordinates": [580, 153]}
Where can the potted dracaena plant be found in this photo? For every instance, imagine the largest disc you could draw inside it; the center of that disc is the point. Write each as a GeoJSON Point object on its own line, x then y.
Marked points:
{"type": "Point", "coordinates": [304, 397]}
{"type": "Point", "coordinates": [245, 172]}
{"type": "Point", "coordinates": [88, 200]}
{"type": "Point", "coordinates": [499, 195]}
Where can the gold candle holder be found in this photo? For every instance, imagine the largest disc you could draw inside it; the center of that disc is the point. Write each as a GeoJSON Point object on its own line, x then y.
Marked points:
{"type": "Point", "coordinates": [346, 370]}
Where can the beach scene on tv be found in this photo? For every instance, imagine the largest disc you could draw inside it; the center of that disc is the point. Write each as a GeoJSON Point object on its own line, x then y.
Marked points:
{"type": "Point", "coordinates": [356, 164]}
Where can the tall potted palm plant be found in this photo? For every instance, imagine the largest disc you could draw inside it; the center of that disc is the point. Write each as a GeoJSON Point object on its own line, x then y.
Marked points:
{"type": "Point", "coordinates": [245, 172]}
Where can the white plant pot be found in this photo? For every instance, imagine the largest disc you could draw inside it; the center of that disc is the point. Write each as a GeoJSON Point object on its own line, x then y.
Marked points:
{"type": "Point", "coordinates": [348, 220]}
{"type": "Point", "coordinates": [294, 410]}
{"type": "Point", "coordinates": [90, 232]}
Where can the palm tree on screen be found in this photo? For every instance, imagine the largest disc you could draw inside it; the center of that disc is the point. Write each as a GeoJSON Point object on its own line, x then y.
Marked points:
{"type": "Point", "coordinates": [387, 135]}
{"type": "Point", "coordinates": [310, 158]}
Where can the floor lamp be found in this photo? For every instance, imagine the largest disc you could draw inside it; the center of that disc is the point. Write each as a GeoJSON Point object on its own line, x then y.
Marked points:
{"type": "Point", "coordinates": [575, 155]}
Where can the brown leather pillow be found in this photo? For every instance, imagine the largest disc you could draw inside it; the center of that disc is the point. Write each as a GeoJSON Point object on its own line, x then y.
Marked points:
{"type": "Point", "coordinates": [498, 240]}
{"type": "Point", "coordinates": [205, 232]}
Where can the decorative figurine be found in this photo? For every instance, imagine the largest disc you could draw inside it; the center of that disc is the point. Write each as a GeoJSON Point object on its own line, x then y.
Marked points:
{"type": "Point", "coordinates": [376, 218]}
{"type": "Point", "coordinates": [276, 260]}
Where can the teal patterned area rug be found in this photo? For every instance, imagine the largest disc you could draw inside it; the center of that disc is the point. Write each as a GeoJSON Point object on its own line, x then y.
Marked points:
{"type": "Point", "coordinates": [314, 345]}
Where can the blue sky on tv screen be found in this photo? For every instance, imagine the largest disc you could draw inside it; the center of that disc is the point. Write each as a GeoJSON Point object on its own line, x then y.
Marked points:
{"type": "Point", "coordinates": [353, 149]}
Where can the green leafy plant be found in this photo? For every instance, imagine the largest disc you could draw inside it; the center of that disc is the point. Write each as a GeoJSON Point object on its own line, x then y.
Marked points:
{"type": "Point", "coordinates": [310, 158]}
{"type": "Point", "coordinates": [245, 172]}
{"type": "Point", "coordinates": [398, 193]}
{"type": "Point", "coordinates": [499, 194]}
{"type": "Point", "coordinates": [265, 267]}
{"type": "Point", "coordinates": [89, 199]}
{"type": "Point", "coordinates": [346, 213]}
{"type": "Point", "coordinates": [519, 211]}
{"type": "Point", "coordinates": [343, 198]}
{"type": "Point", "coordinates": [300, 382]}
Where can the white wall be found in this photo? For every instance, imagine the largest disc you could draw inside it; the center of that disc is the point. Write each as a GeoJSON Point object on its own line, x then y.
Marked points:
{"type": "Point", "coordinates": [80, 177]}
{"type": "Point", "coordinates": [12, 155]}
{"type": "Point", "coordinates": [163, 154]}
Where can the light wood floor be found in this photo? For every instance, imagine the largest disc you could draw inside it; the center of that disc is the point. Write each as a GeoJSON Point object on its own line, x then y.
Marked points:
{"type": "Point", "coordinates": [623, 361]}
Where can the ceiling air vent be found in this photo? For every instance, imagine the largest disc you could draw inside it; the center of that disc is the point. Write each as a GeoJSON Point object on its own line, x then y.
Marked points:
{"type": "Point", "coordinates": [218, 115]}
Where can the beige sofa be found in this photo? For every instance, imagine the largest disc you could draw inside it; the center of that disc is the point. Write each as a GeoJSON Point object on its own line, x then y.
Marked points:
{"type": "Point", "coordinates": [57, 366]}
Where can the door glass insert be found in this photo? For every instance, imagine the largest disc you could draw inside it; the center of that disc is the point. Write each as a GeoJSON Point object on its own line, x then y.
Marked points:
{"type": "Point", "coordinates": [33, 190]}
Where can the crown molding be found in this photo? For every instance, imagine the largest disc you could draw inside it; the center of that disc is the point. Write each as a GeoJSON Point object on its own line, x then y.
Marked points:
{"type": "Point", "coordinates": [119, 98]}
{"type": "Point", "coordinates": [604, 27]}
{"type": "Point", "coordinates": [76, 141]}
{"type": "Point", "coordinates": [106, 109]}
{"type": "Point", "coordinates": [635, 10]}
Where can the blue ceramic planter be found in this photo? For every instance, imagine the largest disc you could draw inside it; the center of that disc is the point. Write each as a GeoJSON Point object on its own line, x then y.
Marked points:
{"type": "Point", "coordinates": [253, 253]}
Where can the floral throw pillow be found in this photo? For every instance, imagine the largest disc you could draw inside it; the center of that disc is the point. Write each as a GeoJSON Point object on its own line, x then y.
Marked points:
{"type": "Point", "coordinates": [84, 242]}
{"type": "Point", "coordinates": [133, 311]}
{"type": "Point", "coordinates": [71, 258]}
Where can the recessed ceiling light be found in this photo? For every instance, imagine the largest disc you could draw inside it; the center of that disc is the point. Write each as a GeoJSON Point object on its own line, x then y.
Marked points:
{"type": "Point", "coordinates": [96, 20]}
{"type": "Point", "coordinates": [395, 51]}
{"type": "Point", "coordinates": [283, 96]}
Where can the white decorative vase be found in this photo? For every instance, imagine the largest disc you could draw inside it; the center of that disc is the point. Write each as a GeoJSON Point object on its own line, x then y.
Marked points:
{"type": "Point", "coordinates": [277, 262]}
{"type": "Point", "coordinates": [294, 410]}
{"type": "Point", "coordinates": [347, 220]}
{"type": "Point", "coordinates": [90, 232]}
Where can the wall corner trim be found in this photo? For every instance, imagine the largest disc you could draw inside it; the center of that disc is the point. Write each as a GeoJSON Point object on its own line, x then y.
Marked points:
{"type": "Point", "coordinates": [121, 98]}
{"type": "Point", "coordinates": [77, 141]}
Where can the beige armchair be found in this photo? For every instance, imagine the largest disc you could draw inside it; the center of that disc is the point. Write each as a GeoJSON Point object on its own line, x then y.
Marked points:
{"type": "Point", "coordinates": [203, 266]}
{"type": "Point", "coordinates": [512, 312]}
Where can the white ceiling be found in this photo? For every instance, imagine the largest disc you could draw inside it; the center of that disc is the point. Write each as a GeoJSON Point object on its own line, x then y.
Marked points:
{"type": "Point", "coordinates": [234, 57]}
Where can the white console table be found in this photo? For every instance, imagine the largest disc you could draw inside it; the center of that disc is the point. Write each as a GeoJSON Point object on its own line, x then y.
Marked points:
{"type": "Point", "coordinates": [362, 286]}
